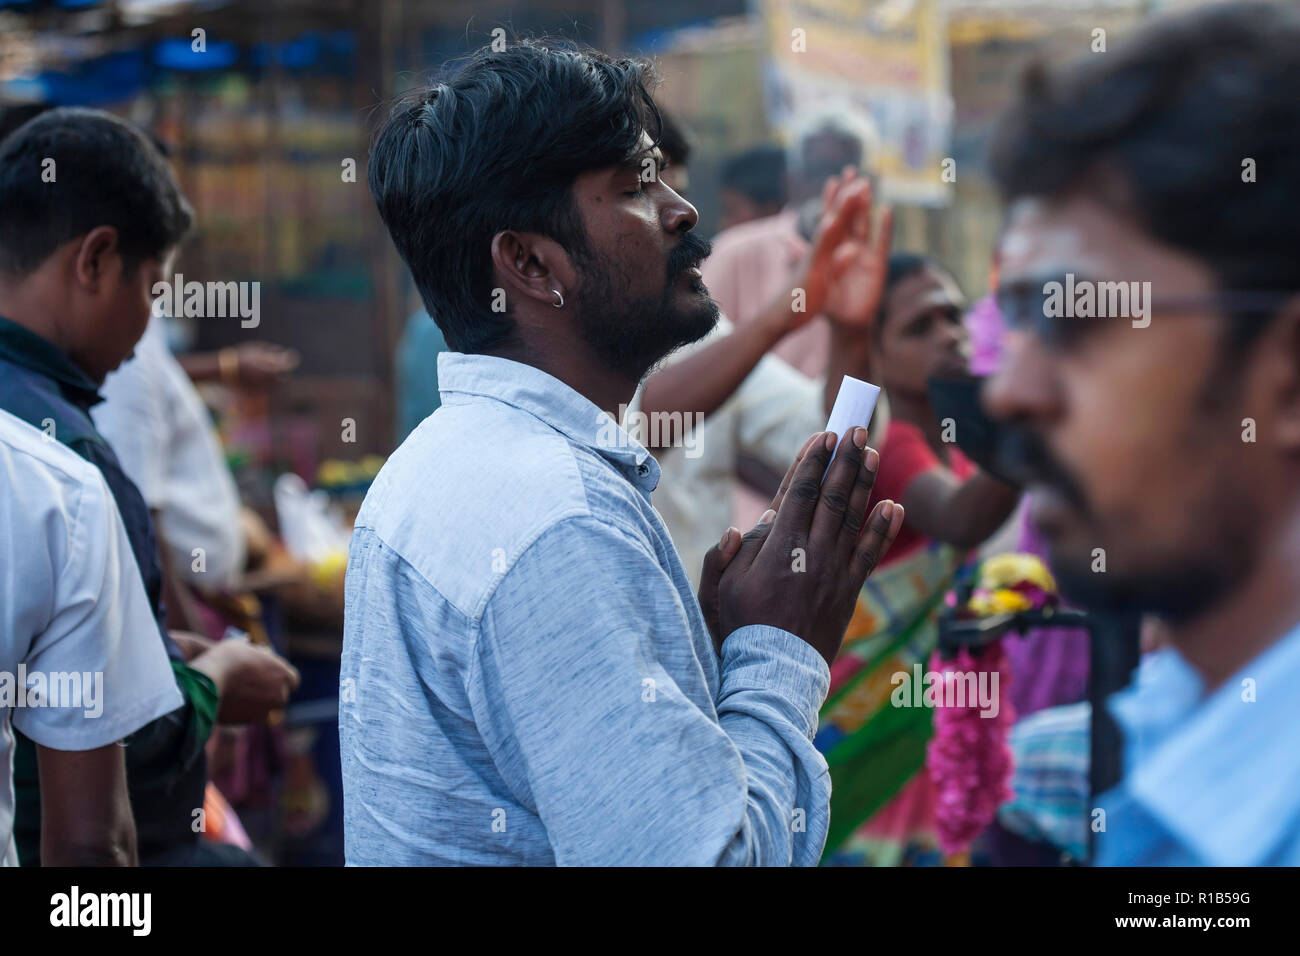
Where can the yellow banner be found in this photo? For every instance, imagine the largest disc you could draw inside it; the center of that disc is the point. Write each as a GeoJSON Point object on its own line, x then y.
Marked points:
{"type": "Point", "coordinates": [886, 58]}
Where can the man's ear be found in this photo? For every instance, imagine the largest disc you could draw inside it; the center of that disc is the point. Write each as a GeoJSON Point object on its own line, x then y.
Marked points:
{"type": "Point", "coordinates": [532, 266]}
{"type": "Point", "coordinates": [96, 254]}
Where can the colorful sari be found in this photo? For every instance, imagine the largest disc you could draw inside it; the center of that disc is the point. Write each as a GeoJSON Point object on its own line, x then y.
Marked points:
{"type": "Point", "coordinates": [881, 798]}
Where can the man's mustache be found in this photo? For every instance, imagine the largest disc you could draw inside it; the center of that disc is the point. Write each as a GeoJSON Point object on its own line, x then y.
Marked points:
{"type": "Point", "coordinates": [1024, 457]}
{"type": "Point", "coordinates": [690, 251]}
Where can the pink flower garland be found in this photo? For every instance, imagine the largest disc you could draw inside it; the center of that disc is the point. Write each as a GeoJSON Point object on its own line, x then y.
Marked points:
{"type": "Point", "coordinates": [968, 757]}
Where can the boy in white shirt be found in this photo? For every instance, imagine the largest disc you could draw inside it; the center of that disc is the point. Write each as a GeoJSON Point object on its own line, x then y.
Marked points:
{"type": "Point", "coordinates": [81, 666]}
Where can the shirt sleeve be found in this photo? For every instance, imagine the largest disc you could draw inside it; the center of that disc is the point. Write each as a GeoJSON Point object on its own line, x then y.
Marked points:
{"type": "Point", "coordinates": [134, 515]}
{"type": "Point", "coordinates": [777, 409]}
{"type": "Point", "coordinates": [100, 653]}
{"type": "Point", "coordinates": [588, 689]}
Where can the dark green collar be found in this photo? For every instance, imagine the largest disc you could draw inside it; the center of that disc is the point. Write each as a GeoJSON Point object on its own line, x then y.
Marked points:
{"type": "Point", "coordinates": [21, 346]}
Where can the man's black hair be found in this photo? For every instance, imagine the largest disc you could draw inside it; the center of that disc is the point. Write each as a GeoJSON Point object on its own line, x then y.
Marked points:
{"type": "Point", "coordinates": [1176, 112]}
{"type": "Point", "coordinates": [497, 146]}
{"type": "Point", "coordinates": [757, 173]}
{"type": "Point", "coordinates": [105, 172]}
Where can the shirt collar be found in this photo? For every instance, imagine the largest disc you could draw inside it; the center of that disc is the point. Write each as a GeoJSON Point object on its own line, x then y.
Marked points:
{"type": "Point", "coordinates": [553, 402]}
{"type": "Point", "coordinates": [24, 347]}
{"type": "Point", "coordinates": [1218, 771]}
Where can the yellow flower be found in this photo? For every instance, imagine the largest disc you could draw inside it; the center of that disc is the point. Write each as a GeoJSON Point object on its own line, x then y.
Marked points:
{"type": "Point", "coordinates": [1001, 601]}
{"type": "Point", "coordinates": [1006, 570]}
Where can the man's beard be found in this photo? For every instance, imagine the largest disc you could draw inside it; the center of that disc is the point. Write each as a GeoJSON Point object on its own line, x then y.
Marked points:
{"type": "Point", "coordinates": [630, 335]}
{"type": "Point", "coordinates": [1177, 590]}
{"type": "Point", "coordinates": [1176, 585]}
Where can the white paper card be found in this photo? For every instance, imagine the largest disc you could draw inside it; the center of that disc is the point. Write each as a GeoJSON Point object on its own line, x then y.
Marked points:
{"type": "Point", "coordinates": [854, 406]}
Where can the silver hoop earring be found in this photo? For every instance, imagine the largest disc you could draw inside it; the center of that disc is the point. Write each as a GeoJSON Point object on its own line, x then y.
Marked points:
{"type": "Point", "coordinates": [560, 296]}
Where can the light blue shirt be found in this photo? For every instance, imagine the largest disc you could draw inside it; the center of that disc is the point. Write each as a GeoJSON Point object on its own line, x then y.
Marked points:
{"type": "Point", "coordinates": [1208, 780]}
{"type": "Point", "coordinates": [527, 676]}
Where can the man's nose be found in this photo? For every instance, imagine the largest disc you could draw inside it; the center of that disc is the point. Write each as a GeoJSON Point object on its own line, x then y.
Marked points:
{"type": "Point", "coordinates": [1026, 388]}
{"type": "Point", "coordinates": [952, 335]}
{"type": "Point", "coordinates": [679, 215]}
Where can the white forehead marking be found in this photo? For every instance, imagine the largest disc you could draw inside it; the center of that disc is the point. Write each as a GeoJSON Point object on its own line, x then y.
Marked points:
{"type": "Point", "coordinates": [1054, 239]}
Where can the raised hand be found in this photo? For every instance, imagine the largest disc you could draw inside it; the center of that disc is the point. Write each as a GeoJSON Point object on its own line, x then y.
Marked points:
{"type": "Point", "coordinates": [844, 275]}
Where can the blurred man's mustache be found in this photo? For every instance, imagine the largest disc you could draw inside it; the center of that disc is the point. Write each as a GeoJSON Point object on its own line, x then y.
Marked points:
{"type": "Point", "coordinates": [1024, 456]}
{"type": "Point", "coordinates": [691, 250]}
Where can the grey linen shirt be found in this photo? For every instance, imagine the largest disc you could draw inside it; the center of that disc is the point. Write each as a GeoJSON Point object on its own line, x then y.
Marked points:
{"type": "Point", "coordinates": [527, 676]}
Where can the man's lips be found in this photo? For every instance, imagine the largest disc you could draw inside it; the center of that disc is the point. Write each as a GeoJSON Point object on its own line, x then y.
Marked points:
{"type": "Point", "coordinates": [691, 275]}
{"type": "Point", "coordinates": [953, 363]}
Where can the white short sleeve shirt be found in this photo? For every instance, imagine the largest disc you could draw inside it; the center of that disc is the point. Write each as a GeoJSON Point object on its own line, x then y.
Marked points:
{"type": "Point", "coordinates": [81, 665]}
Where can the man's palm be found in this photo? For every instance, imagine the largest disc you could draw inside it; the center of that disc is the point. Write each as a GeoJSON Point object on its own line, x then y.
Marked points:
{"type": "Point", "coordinates": [846, 271]}
{"type": "Point", "coordinates": [855, 283]}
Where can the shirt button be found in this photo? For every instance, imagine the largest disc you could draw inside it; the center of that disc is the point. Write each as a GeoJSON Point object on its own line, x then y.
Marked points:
{"type": "Point", "coordinates": [643, 470]}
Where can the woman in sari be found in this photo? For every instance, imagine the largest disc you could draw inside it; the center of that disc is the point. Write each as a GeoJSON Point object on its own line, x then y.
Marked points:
{"type": "Point", "coordinates": [882, 804]}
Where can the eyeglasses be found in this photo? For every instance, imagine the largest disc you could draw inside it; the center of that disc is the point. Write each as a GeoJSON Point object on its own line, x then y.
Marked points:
{"type": "Point", "coordinates": [1061, 311]}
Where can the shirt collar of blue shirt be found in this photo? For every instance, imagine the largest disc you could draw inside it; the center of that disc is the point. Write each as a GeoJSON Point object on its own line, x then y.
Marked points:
{"type": "Point", "coordinates": [553, 402]}
{"type": "Point", "coordinates": [23, 347]}
{"type": "Point", "coordinates": [1216, 770]}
